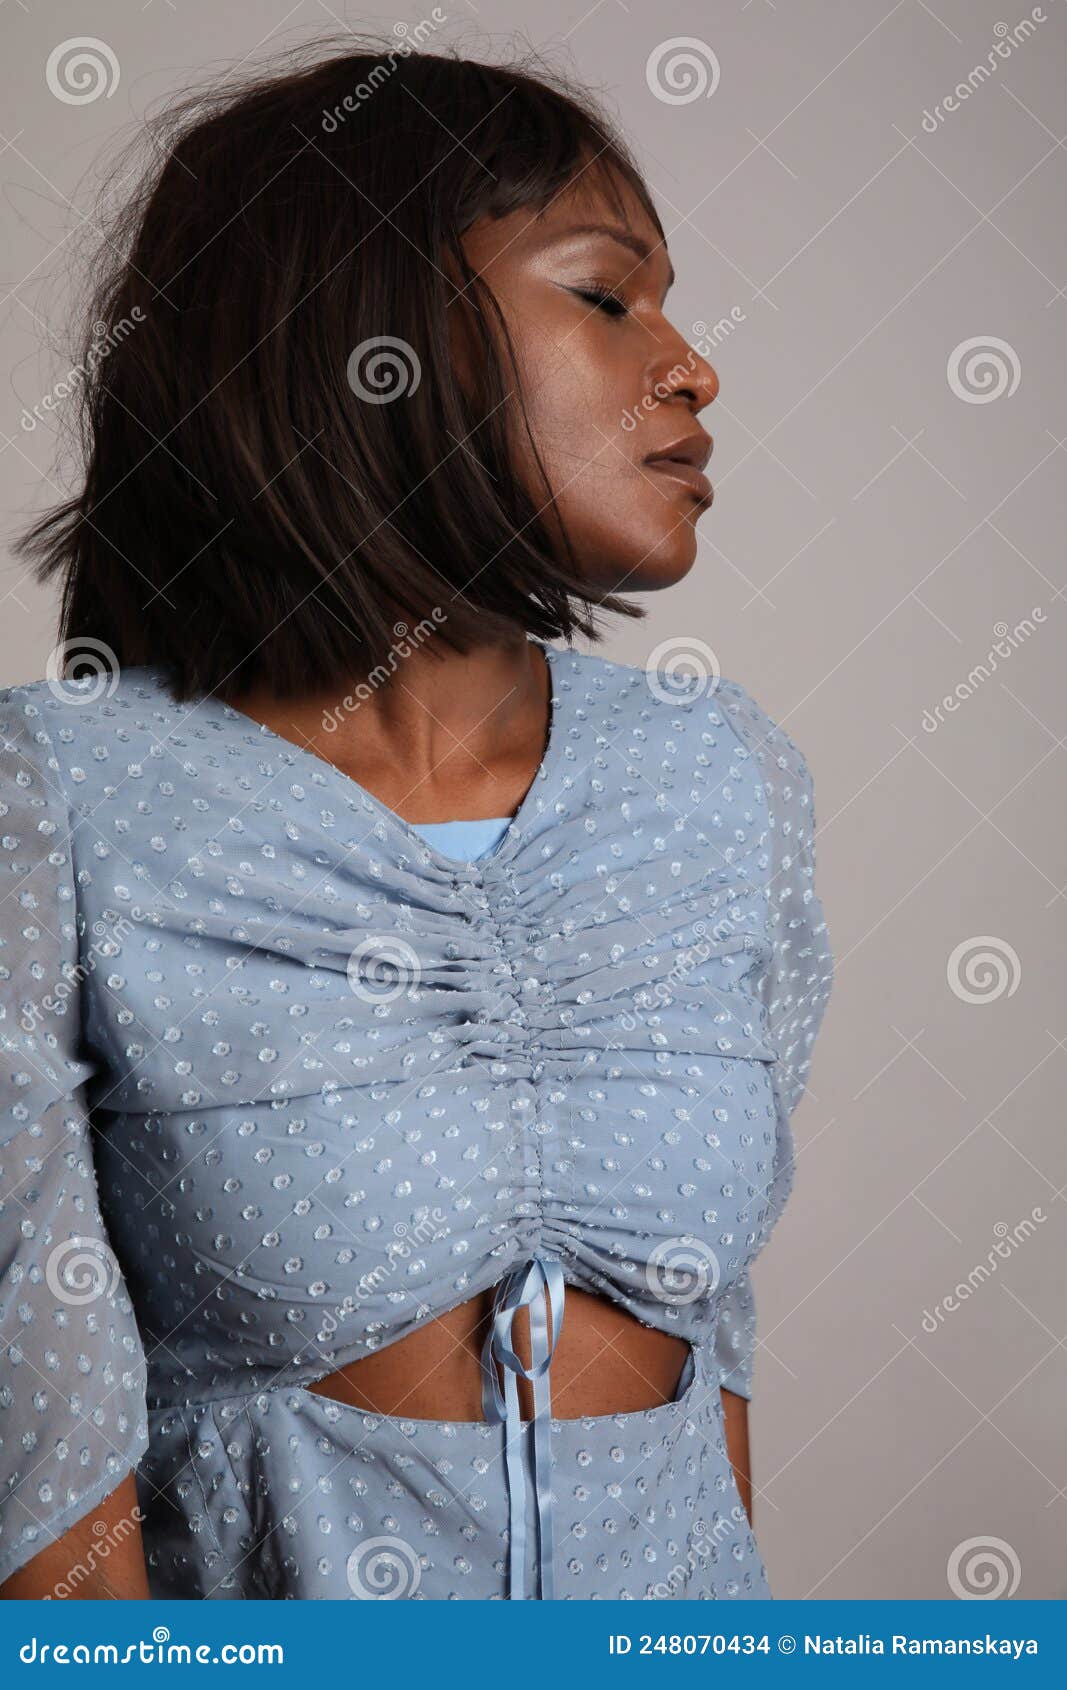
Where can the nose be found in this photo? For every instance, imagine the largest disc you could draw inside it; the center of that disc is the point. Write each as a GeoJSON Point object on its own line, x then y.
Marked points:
{"type": "Point", "coordinates": [678, 371]}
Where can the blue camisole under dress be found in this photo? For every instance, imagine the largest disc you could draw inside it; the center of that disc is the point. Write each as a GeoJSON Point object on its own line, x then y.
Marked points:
{"type": "Point", "coordinates": [283, 1080]}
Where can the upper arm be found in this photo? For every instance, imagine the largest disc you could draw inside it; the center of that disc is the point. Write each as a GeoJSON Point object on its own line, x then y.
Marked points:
{"type": "Point", "coordinates": [72, 1401]}
{"type": "Point", "coordinates": [792, 987]}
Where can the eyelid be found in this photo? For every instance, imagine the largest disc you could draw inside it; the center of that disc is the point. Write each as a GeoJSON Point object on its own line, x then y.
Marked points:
{"type": "Point", "coordinates": [602, 293]}
{"type": "Point", "coordinates": [617, 291]}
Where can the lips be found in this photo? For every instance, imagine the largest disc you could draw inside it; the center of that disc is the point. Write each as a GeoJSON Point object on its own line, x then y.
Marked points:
{"type": "Point", "coordinates": [684, 475]}
{"type": "Point", "coordinates": [682, 461]}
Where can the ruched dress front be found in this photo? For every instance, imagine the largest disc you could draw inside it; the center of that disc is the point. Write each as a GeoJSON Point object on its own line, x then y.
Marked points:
{"type": "Point", "coordinates": [282, 1082]}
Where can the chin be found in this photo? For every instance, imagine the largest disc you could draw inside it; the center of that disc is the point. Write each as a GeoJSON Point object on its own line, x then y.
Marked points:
{"type": "Point", "coordinates": [650, 567]}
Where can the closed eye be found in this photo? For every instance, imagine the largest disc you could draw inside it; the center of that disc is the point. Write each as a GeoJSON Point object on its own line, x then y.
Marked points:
{"type": "Point", "coordinates": [604, 299]}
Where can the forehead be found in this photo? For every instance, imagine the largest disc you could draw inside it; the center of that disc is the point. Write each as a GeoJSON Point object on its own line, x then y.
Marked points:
{"type": "Point", "coordinates": [593, 199]}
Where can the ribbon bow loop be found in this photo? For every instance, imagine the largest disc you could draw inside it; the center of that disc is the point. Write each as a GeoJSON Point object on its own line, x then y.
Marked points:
{"type": "Point", "coordinates": [538, 1285]}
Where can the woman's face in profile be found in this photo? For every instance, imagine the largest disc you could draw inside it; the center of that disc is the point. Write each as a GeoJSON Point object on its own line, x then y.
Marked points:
{"type": "Point", "coordinates": [608, 382]}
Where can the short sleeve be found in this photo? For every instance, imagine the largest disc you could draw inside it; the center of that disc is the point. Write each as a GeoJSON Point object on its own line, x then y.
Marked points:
{"type": "Point", "coordinates": [794, 986]}
{"type": "Point", "coordinates": [72, 1379]}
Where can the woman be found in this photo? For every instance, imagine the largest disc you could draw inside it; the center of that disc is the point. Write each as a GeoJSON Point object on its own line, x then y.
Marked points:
{"type": "Point", "coordinates": [423, 1005]}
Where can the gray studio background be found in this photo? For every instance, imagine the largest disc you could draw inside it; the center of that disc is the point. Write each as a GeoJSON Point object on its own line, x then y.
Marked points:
{"type": "Point", "coordinates": [888, 271]}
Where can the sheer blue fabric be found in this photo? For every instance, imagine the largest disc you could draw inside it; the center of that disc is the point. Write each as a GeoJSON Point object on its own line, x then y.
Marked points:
{"type": "Point", "coordinates": [282, 1080]}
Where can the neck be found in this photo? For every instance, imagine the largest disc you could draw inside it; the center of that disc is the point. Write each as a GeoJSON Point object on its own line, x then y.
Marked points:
{"type": "Point", "coordinates": [437, 735]}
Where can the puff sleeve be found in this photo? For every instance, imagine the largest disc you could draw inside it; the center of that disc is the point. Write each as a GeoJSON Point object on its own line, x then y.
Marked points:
{"type": "Point", "coordinates": [794, 986]}
{"type": "Point", "coordinates": [72, 1367]}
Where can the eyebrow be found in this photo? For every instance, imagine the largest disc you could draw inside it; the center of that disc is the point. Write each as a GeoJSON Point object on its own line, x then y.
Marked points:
{"type": "Point", "coordinates": [614, 232]}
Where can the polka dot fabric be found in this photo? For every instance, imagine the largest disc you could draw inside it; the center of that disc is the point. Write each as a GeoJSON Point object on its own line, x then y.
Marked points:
{"type": "Point", "coordinates": [282, 1082]}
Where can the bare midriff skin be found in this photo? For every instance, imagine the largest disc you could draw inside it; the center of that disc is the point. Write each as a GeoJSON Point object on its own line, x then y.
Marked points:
{"type": "Point", "coordinates": [606, 1362]}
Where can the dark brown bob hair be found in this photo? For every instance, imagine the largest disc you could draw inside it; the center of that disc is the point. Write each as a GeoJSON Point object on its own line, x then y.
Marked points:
{"type": "Point", "coordinates": [252, 512]}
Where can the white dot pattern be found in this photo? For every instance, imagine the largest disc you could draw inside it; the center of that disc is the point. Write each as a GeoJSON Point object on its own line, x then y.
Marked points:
{"type": "Point", "coordinates": [330, 1083]}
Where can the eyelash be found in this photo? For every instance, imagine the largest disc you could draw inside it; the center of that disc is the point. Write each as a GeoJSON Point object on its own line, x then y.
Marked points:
{"type": "Point", "coordinates": [602, 298]}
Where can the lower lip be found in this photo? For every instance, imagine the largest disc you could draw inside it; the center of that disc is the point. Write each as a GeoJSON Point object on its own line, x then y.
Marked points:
{"type": "Point", "coordinates": [685, 475]}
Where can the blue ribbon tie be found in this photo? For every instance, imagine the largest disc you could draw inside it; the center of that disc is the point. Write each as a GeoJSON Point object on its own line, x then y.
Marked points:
{"type": "Point", "coordinates": [525, 1287]}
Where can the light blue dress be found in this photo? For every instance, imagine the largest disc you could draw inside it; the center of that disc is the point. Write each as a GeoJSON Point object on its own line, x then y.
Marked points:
{"type": "Point", "coordinates": [282, 1080]}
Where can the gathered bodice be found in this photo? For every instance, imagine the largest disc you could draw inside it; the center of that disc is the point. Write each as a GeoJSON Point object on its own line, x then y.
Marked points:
{"type": "Point", "coordinates": [340, 1082]}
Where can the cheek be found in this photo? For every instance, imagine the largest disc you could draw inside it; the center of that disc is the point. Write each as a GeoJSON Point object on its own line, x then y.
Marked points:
{"type": "Point", "coordinates": [570, 399]}
{"type": "Point", "coordinates": [577, 396]}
